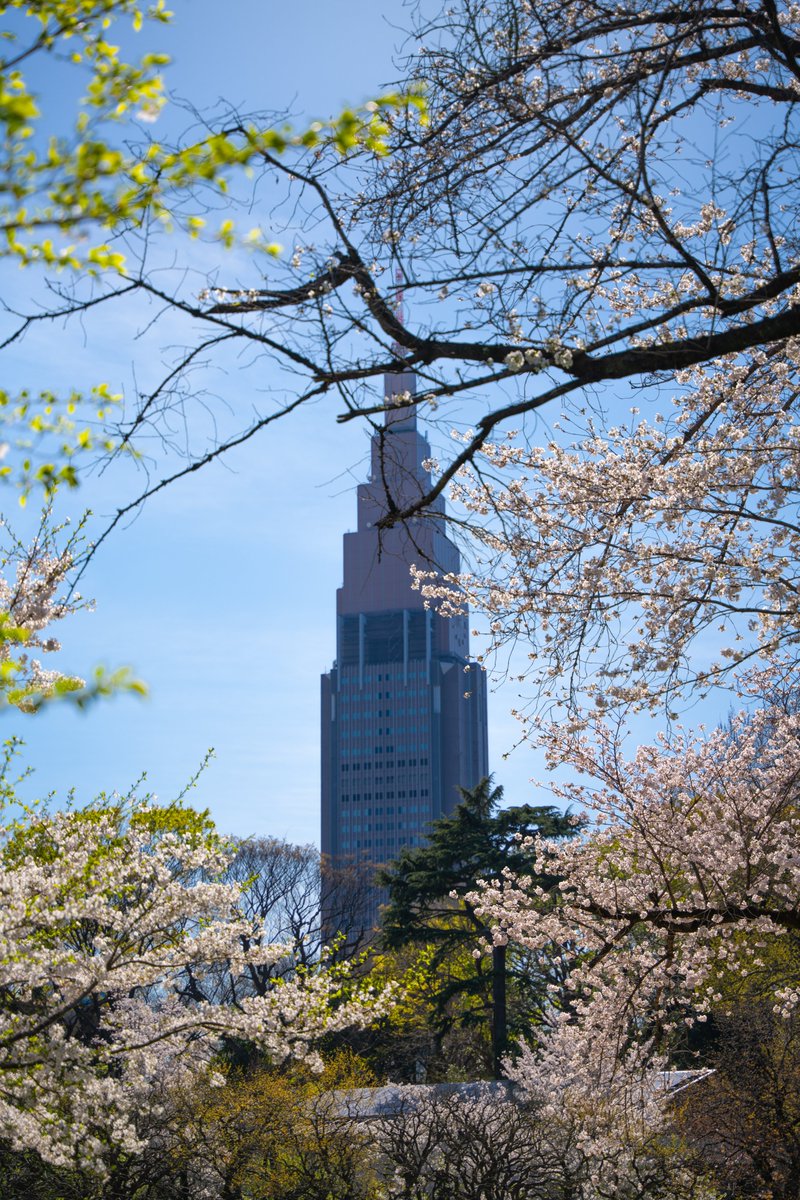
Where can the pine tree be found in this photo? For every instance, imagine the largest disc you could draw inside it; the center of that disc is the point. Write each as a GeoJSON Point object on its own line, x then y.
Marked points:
{"type": "Point", "coordinates": [429, 887]}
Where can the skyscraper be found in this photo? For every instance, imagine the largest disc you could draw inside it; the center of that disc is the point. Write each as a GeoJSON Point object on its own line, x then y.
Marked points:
{"type": "Point", "coordinates": [403, 708]}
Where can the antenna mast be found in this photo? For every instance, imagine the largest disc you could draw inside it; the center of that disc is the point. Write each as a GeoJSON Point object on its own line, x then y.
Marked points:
{"type": "Point", "coordinates": [398, 306]}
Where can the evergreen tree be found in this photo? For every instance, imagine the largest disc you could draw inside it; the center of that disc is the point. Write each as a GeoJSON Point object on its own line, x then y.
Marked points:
{"type": "Point", "coordinates": [428, 901]}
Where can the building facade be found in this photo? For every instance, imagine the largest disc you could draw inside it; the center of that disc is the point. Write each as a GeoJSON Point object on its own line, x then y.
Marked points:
{"type": "Point", "coordinates": [404, 715]}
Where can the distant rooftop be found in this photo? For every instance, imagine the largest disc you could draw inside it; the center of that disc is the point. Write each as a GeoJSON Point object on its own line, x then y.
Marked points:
{"type": "Point", "coordinates": [394, 1099]}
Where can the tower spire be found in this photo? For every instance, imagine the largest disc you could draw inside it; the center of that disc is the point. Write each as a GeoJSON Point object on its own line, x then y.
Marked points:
{"type": "Point", "coordinates": [399, 383]}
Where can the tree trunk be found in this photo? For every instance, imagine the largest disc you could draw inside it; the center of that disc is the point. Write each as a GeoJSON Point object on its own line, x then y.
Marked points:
{"type": "Point", "coordinates": [499, 1025]}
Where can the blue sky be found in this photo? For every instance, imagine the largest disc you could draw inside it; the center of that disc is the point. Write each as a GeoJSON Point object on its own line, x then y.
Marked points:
{"type": "Point", "coordinates": [221, 593]}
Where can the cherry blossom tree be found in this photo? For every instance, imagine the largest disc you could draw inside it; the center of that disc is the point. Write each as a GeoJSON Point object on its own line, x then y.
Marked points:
{"type": "Point", "coordinates": [678, 896]}
{"type": "Point", "coordinates": [103, 910]}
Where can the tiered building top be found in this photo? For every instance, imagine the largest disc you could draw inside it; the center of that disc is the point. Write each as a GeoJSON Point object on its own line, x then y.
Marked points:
{"type": "Point", "coordinates": [404, 717]}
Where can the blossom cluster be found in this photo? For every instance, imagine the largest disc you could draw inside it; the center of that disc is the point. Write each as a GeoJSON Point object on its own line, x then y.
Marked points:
{"type": "Point", "coordinates": [33, 594]}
